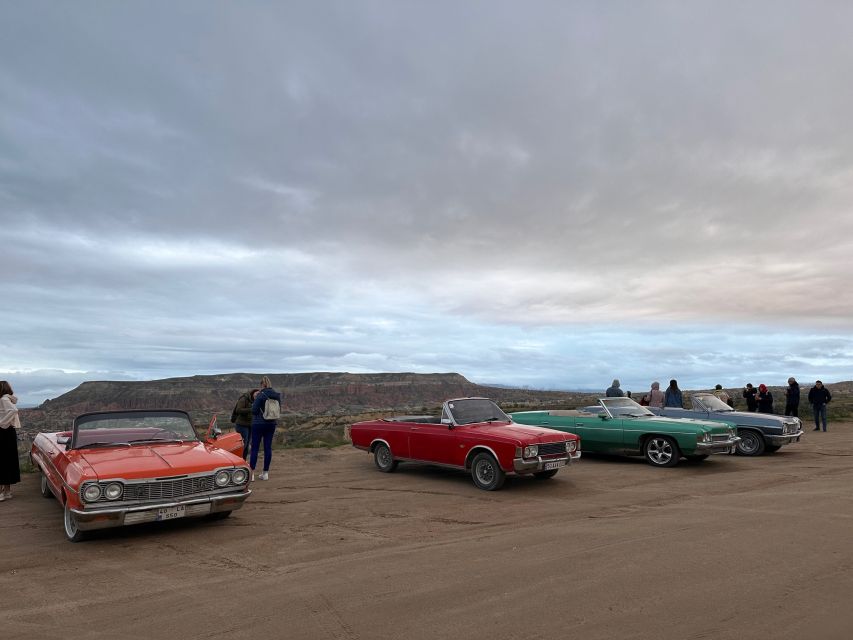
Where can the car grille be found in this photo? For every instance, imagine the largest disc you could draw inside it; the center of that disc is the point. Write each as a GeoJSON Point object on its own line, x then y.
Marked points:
{"type": "Point", "coordinates": [552, 448]}
{"type": "Point", "coordinates": [165, 489]}
{"type": "Point", "coordinates": [720, 437]}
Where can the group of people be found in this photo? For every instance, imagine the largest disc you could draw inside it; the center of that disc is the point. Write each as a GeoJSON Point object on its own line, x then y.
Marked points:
{"type": "Point", "coordinates": [757, 399]}
{"type": "Point", "coordinates": [255, 418]}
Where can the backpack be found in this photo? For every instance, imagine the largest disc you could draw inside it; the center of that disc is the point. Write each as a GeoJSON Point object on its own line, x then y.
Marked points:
{"type": "Point", "coordinates": [272, 409]}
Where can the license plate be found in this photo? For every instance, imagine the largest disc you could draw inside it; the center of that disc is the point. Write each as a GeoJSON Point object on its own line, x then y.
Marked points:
{"type": "Point", "coordinates": [556, 464]}
{"type": "Point", "coordinates": [170, 513]}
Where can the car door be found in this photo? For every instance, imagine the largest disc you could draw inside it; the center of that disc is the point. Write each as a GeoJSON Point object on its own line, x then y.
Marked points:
{"type": "Point", "coordinates": [432, 442]}
{"type": "Point", "coordinates": [599, 434]}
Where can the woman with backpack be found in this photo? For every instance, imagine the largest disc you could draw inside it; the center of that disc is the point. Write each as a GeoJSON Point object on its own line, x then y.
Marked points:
{"type": "Point", "coordinates": [266, 409]}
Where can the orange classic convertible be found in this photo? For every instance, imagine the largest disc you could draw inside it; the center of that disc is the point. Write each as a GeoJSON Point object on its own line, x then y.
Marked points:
{"type": "Point", "coordinates": [118, 468]}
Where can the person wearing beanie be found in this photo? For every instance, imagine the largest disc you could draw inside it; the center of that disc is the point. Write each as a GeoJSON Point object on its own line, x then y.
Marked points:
{"type": "Point", "coordinates": [764, 399]}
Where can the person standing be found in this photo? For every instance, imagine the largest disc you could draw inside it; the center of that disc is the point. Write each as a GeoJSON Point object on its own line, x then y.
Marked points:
{"type": "Point", "coordinates": [819, 396]}
{"type": "Point", "coordinates": [655, 397]}
{"type": "Point", "coordinates": [722, 395]}
{"type": "Point", "coordinates": [266, 408]}
{"type": "Point", "coordinates": [764, 399]}
{"type": "Point", "coordinates": [749, 394]}
{"type": "Point", "coordinates": [613, 391]}
{"type": "Point", "coordinates": [10, 470]}
{"type": "Point", "coordinates": [672, 396]}
{"type": "Point", "coordinates": [792, 398]}
{"type": "Point", "coordinates": [242, 419]}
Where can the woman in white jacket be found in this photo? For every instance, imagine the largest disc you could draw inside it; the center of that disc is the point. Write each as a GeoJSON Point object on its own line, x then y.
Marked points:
{"type": "Point", "coordinates": [10, 471]}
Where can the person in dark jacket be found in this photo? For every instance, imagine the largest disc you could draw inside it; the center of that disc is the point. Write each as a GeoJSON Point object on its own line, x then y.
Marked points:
{"type": "Point", "coordinates": [764, 399]}
{"type": "Point", "coordinates": [819, 396]}
{"type": "Point", "coordinates": [613, 391]}
{"type": "Point", "coordinates": [263, 429]}
{"type": "Point", "coordinates": [672, 396]}
{"type": "Point", "coordinates": [749, 394]}
{"type": "Point", "coordinates": [242, 419]}
{"type": "Point", "coordinates": [792, 398]}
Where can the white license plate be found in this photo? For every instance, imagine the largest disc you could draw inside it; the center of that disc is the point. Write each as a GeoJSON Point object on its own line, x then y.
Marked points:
{"type": "Point", "coordinates": [556, 464]}
{"type": "Point", "coordinates": [170, 513]}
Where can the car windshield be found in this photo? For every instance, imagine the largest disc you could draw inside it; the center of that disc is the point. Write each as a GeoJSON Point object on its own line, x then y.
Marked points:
{"type": "Point", "coordinates": [710, 402]}
{"type": "Point", "coordinates": [132, 428]}
{"type": "Point", "coordinates": [472, 410]}
{"type": "Point", "coordinates": [624, 408]}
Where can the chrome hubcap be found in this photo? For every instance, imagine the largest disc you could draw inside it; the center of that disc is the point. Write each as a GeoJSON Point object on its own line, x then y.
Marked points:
{"type": "Point", "coordinates": [70, 523]}
{"type": "Point", "coordinates": [748, 443]}
{"type": "Point", "coordinates": [485, 472]}
{"type": "Point", "coordinates": [660, 451]}
{"type": "Point", "coordinates": [384, 456]}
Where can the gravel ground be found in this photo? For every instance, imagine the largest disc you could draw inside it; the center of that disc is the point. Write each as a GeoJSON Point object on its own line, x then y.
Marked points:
{"type": "Point", "coordinates": [331, 548]}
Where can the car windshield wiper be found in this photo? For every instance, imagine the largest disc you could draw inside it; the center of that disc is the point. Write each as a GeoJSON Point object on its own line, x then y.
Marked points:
{"type": "Point", "coordinates": [95, 445]}
{"type": "Point", "coordinates": [141, 440]}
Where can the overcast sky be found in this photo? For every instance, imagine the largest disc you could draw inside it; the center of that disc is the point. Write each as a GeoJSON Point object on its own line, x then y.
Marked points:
{"type": "Point", "coordinates": [538, 193]}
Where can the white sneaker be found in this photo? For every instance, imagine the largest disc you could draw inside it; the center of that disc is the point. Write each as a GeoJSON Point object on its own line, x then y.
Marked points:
{"type": "Point", "coordinates": [9, 494]}
{"type": "Point", "coordinates": [253, 477]}
{"type": "Point", "coordinates": [265, 475]}
{"type": "Point", "coordinates": [2, 497]}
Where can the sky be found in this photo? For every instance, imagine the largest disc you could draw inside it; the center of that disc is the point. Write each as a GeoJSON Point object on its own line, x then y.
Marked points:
{"type": "Point", "coordinates": [543, 194]}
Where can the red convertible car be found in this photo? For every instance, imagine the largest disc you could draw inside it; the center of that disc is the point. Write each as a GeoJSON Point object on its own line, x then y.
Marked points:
{"type": "Point", "coordinates": [471, 434]}
{"type": "Point", "coordinates": [126, 467]}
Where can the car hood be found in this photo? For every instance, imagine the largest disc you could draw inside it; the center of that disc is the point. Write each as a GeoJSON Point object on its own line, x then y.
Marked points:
{"type": "Point", "coordinates": [157, 460]}
{"type": "Point", "coordinates": [747, 417]}
{"type": "Point", "coordinates": [523, 433]}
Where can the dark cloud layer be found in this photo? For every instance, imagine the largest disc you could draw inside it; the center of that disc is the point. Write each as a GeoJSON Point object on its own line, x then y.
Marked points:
{"type": "Point", "coordinates": [426, 186]}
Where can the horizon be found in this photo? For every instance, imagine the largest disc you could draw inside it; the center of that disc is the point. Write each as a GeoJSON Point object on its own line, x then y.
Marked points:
{"type": "Point", "coordinates": [567, 194]}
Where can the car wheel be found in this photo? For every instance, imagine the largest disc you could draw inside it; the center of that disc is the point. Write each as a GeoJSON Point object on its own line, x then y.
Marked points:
{"type": "Point", "coordinates": [697, 458]}
{"type": "Point", "coordinates": [544, 475]}
{"type": "Point", "coordinates": [772, 448]}
{"type": "Point", "coordinates": [44, 487]}
{"type": "Point", "coordinates": [72, 530]}
{"type": "Point", "coordinates": [384, 460]}
{"type": "Point", "coordinates": [661, 451]}
{"type": "Point", "coordinates": [751, 443]}
{"type": "Point", "coordinates": [486, 472]}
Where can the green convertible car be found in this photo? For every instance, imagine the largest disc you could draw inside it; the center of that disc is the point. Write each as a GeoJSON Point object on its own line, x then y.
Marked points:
{"type": "Point", "coordinates": [620, 425]}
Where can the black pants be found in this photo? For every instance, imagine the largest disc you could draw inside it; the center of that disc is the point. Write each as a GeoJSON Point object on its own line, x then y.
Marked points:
{"type": "Point", "coordinates": [10, 471]}
{"type": "Point", "coordinates": [792, 410]}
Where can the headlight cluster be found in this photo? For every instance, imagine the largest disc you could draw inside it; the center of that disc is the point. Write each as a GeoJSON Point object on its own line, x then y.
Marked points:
{"type": "Point", "coordinates": [531, 451]}
{"type": "Point", "coordinates": [93, 492]}
{"type": "Point", "coordinates": [228, 477]}
{"type": "Point", "coordinates": [705, 437]}
{"type": "Point", "coordinates": [571, 446]}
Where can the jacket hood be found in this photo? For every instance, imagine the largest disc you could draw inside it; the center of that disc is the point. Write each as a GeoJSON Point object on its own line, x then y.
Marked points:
{"type": "Point", "coordinates": [12, 398]}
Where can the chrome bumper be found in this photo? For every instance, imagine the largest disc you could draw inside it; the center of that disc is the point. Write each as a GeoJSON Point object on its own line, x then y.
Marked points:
{"type": "Point", "coordinates": [788, 438]}
{"type": "Point", "coordinates": [534, 465]}
{"type": "Point", "coordinates": [725, 446]}
{"type": "Point", "coordinates": [95, 518]}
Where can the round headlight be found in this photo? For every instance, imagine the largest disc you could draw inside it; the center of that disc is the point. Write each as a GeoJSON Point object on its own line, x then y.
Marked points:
{"type": "Point", "coordinates": [113, 491]}
{"type": "Point", "coordinates": [91, 493]}
{"type": "Point", "coordinates": [571, 446]}
{"type": "Point", "coordinates": [222, 479]}
{"type": "Point", "coordinates": [239, 476]}
{"type": "Point", "coordinates": [531, 451]}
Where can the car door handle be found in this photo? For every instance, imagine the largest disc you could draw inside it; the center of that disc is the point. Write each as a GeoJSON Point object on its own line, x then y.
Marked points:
{"type": "Point", "coordinates": [545, 422]}
{"type": "Point", "coordinates": [414, 428]}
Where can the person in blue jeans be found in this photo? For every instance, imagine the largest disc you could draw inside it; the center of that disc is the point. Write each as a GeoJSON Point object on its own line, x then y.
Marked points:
{"type": "Point", "coordinates": [819, 396]}
{"type": "Point", "coordinates": [243, 419]}
{"type": "Point", "coordinates": [263, 429]}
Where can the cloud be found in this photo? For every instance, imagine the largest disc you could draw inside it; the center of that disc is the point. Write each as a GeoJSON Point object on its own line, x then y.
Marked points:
{"type": "Point", "coordinates": [381, 186]}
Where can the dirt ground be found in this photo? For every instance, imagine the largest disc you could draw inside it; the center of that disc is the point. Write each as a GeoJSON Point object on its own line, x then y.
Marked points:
{"type": "Point", "coordinates": [331, 548]}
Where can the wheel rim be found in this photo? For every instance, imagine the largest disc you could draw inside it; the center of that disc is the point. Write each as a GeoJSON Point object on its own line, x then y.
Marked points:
{"type": "Point", "coordinates": [659, 450]}
{"type": "Point", "coordinates": [70, 523]}
{"type": "Point", "coordinates": [748, 442]}
{"type": "Point", "coordinates": [485, 472]}
{"type": "Point", "coordinates": [383, 454]}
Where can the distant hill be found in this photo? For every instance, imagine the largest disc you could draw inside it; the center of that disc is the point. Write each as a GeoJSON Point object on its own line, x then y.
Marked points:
{"type": "Point", "coordinates": [325, 402]}
{"type": "Point", "coordinates": [307, 396]}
